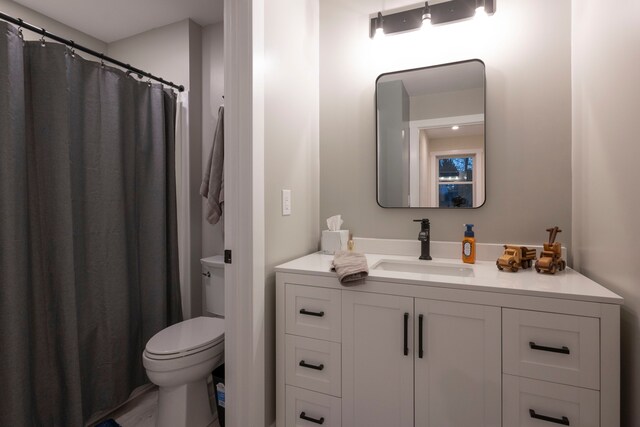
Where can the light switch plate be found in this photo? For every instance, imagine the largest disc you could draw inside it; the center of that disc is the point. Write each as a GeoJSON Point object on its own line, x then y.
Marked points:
{"type": "Point", "coordinates": [286, 202]}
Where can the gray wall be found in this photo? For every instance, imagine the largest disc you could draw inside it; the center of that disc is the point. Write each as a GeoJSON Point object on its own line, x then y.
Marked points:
{"type": "Point", "coordinates": [393, 144]}
{"type": "Point", "coordinates": [290, 149]}
{"type": "Point", "coordinates": [447, 104]}
{"type": "Point", "coordinates": [42, 21]}
{"type": "Point", "coordinates": [212, 91]}
{"type": "Point", "coordinates": [606, 153]}
{"type": "Point", "coordinates": [162, 51]}
{"type": "Point", "coordinates": [528, 71]}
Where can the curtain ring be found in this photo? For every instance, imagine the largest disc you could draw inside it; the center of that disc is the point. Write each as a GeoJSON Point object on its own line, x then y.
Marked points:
{"type": "Point", "coordinates": [20, 29]}
{"type": "Point", "coordinates": [73, 51]}
{"type": "Point", "coordinates": [149, 82]}
{"type": "Point", "coordinates": [42, 41]}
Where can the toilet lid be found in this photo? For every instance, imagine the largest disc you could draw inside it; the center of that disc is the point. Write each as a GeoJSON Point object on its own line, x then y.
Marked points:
{"type": "Point", "coordinates": [186, 336]}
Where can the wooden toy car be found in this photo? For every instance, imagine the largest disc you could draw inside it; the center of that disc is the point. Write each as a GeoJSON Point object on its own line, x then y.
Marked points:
{"type": "Point", "coordinates": [515, 258]}
{"type": "Point", "coordinates": [551, 256]}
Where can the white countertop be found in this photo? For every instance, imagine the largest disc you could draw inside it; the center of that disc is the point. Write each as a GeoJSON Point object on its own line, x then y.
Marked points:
{"type": "Point", "coordinates": [567, 284]}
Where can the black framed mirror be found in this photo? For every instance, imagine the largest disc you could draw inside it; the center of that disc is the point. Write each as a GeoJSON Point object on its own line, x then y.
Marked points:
{"type": "Point", "coordinates": [430, 136]}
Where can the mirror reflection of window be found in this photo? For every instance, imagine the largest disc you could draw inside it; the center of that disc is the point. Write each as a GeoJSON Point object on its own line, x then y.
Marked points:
{"type": "Point", "coordinates": [455, 182]}
{"type": "Point", "coordinates": [453, 174]}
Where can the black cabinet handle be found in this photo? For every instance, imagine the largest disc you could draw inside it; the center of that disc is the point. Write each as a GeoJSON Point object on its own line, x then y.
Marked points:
{"type": "Point", "coordinates": [312, 313]}
{"type": "Point", "coordinates": [563, 349]}
{"type": "Point", "coordinates": [564, 420]}
{"type": "Point", "coordinates": [420, 349]}
{"type": "Point", "coordinates": [207, 274]}
{"type": "Point", "coordinates": [305, 417]}
{"type": "Point", "coordinates": [406, 334]}
{"type": "Point", "coordinates": [304, 364]}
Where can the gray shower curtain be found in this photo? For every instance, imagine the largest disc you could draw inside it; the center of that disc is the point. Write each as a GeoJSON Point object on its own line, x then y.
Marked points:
{"type": "Point", "coordinates": [88, 241]}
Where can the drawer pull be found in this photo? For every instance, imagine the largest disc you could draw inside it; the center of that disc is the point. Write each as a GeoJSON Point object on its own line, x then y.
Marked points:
{"type": "Point", "coordinates": [564, 420]}
{"type": "Point", "coordinates": [563, 349]}
{"type": "Point", "coordinates": [319, 367]}
{"type": "Point", "coordinates": [312, 313]}
{"type": "Point", "coordinates": [406, 334]}
{"type": "Point", "coordinates": [305, 417]}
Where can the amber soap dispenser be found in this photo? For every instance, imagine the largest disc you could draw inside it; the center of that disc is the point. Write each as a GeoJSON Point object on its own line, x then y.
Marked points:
{"type": "Point", "coordinates": [469, 245]}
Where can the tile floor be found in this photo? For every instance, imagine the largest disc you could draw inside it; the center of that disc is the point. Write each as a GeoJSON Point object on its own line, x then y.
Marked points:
{"type": "Point", "coordinates": [141, 411]}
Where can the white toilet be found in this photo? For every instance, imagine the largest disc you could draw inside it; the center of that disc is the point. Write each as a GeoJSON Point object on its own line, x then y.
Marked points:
{"type": "Point", "coordinates": [179, 359]}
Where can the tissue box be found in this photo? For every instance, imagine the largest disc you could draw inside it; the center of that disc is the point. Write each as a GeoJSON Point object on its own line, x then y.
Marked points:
{"type": "Point", "coordinates": [333, 241]}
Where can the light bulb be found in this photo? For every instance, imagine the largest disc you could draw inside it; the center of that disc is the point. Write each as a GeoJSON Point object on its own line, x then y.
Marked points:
{"type": "Point", "coordinates": [455, 127]}
{"type": "Point", "coordinates": [480, 13]}
{"type": "Point", "coordinates": [379, 33]}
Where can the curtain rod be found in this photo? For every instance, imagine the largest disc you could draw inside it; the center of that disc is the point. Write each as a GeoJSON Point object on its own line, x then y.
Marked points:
{"type": "Point", "coordinates": [21, 24]}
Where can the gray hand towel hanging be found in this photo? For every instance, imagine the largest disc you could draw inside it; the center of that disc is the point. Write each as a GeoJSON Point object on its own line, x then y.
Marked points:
{"type": "Point", "coordinates": [212, 187]}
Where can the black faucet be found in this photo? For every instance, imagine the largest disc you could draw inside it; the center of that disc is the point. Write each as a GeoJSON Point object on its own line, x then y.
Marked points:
{"type": "Point", "coordinates": [425, 238]}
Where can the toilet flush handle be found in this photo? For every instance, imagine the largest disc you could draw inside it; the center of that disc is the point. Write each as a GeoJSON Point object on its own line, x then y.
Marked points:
{"type": "Point", "coordinates": [207, 274]}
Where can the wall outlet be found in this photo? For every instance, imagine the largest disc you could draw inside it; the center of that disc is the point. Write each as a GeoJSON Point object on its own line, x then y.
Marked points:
{"type": "Point", "coordinates": [286, 202]}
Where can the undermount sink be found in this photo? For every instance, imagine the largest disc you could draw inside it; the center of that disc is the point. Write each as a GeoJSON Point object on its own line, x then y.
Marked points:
{"type": "Point", "coordinates": [423, 267]}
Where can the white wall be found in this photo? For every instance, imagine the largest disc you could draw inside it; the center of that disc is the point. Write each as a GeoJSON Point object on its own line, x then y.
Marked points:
{"type": "Point", "coordinates": [290, 148]}
{"type": "Point", "coordinates": [606, 154]}
{"type": "Point", "coordinates": [162, 51]}
{"type": "Point", "coordinates": [174, 52]}
{"type": "Point", "coordinates": [55, 27]}
{"type": "Point", "coordinates": [526, 50]}
{"type": "Point", "coordinates": [447, 104]}
{"type": "Point", "coordinates": [212, 90]}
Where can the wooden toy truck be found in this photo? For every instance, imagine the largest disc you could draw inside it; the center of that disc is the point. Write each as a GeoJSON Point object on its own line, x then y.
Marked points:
{"type": "Point", "coordinates": [515, 258]}
{"type": "Point", "coordinates": [551, 257]}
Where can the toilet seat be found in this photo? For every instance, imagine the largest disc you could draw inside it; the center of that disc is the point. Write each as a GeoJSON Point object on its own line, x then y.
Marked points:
{"type": "Point", "coordinates": [186, 338]}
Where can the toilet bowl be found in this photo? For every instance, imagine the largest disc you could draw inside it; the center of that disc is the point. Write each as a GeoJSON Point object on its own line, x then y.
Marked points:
{"type": "Point", "coordinates": [178, 360]}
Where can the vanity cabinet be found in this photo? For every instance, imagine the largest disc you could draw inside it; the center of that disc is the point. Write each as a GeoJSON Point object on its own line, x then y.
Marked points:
{"type": "Point", "coordinates": [410, 357]}
{"type": "Point", "coordinates": [377, 355]}
{"type": "Point", "coordinates": [414, 353]}
{"type": "Point", "coordinates": [458, 372]}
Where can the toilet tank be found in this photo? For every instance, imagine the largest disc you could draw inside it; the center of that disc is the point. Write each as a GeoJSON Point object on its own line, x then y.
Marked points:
{"type": "Point", "coordinates": [213, 286]}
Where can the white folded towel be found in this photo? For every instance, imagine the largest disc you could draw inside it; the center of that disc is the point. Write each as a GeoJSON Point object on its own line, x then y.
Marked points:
{"type": "Point", "coordinates": [350, 266]}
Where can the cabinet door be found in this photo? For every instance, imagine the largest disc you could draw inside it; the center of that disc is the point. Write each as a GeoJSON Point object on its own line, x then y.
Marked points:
{"type": "Point", "coordinates": [458, 373]}
{"type": "Point", "coordinates": [377, 360]}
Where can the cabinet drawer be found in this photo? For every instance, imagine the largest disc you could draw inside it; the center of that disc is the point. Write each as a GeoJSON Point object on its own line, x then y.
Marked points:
{"type": "Point", "coordinates": [313, 364]}
{"type": "Point", "coordinates": [532, 403]}
{"type": "Point", "coordinates": [553, 347]}
{"type": "Point", "coordinates": [306, 408]}
{"type": "Point", "coordinates": [313, 312]}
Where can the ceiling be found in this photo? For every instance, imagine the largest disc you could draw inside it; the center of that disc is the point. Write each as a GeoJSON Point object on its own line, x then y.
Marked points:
{"type": "Point", "coordinates": [448, 132]}
{"type": "Point", "coordinates": [111, 20]}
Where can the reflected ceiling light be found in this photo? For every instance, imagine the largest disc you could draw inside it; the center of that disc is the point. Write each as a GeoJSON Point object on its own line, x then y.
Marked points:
{"type": "Point", "coordinates": [455, 127]}
{"type": "Point", "coordinates": [440, 13]}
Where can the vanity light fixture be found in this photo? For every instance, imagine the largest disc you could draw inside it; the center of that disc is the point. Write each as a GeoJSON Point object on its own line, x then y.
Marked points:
{"type": "Point", "coordinates": [480, 11]}
{"type": "Point", "coordinates": [379, 30]}
{"type": "Point", "coordinates": [438, 13]}
{"type": "Point", "coordinates": [426, 14]}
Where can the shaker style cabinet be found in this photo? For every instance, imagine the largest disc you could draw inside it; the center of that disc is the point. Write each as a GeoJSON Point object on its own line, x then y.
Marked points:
{"type": "Point", "coordinates": [457, 364]}
{"type": "Point", "coordinates": [402, 354]}
{"type": "Point", "coordinates": [377, 360]}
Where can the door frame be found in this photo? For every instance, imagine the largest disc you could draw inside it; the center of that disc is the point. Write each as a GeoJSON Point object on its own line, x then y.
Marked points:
{"type": "Point", "coordinates": [244, 213]}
